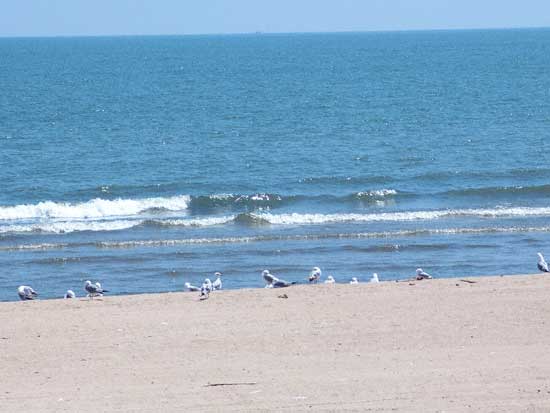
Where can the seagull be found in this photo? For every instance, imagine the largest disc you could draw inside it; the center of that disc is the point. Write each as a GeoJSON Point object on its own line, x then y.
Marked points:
{"type": "Point", "coordinates": [94, 290]}
{"type": "Point", "coordinates": [217, 284]}
{"type": "Point", "coordinates": [206, 288]}
{"type": "Point", "coordinates": [282, 283]}
{"type": "Point", "coordinates": [191, 287]}
{"type": "Point", "coordinates": [543, 266]}
{"type": "Point", "coordinates": [274, 282]}
{"type": "Point", "coordinates": [421, 275]}
{"type": "Point", "coordinates": [269, 278]}
{"type": "Point", "coordinates": [374, 278]}
{"type": "Point", "coordinates": [354, 280]}
{"type": "Point", "coordinates": [98, 286]}
{"type": "Point", "coordinates": [69, 294]}
{"type": "Point", "coordinates": [314, 275]}
{"type": "Point", "coordinates": [330, 280]}
{"type": "Point", "coordinates": [26, 293]}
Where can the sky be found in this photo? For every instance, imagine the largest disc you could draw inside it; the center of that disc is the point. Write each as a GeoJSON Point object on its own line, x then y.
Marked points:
{"type": "Point", "coordinates": [148, 17]}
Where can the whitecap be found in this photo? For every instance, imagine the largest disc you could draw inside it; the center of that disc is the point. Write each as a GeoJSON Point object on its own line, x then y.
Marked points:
{"type": "Point", "coordinates": [95, 208]}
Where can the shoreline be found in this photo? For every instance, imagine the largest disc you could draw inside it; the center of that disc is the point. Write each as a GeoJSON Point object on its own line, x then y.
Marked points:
{"type": "Point", "coordinates": [430, 345]}
{"type": "Point", "coordinates": [303, 284]}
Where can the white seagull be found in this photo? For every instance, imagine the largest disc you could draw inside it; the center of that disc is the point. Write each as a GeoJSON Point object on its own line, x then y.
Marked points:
{"type": "Point", "coordinates": [314, 275]}
{"type": "Point", "coordinates": [421, 275]}
{"type": "Point", "coordinates": [191, 287]}
{"type": "Point", "coordinates": [269, 278]}
{"type": "Point", "coordinates": [330, 280]}
{"type": "Point", "coordinates": [69, 294]}
{"type": "Point", "coordinates": [542, 265]}
{"type": "Point", "coordinates": [274, 282]}
{"type": "Point", "coordinates": [98, 286]}
{"type": "Point", "coordinates": [26, 293]}
{"type": "Point", "coordinates": [217, 284]}
{"type": "Point", "coordinates": [354, 280]}
{"type": "Point", "coordinates": [206, 289]}
{"type": "Point", "coordinates": [94, 290]}
{"type": "Point", "coordinates": [375, 279]}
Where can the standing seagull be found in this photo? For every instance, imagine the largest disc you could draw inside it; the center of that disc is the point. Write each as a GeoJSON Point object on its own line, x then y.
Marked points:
{"type": "Point", "coordinates": [94, 290]}
{"type": "Point", "coordinates": [314, 275]}
{"type": "Point", "coordinates": [375, 278]}
{"type": "Point", "coordinates": [421, 275]}
{"type": "Point", "coordinates": [330, 280]}
{"type": "Point", "coordinates": [217, 284]}
{"type": "Point", "coordinates": [543, 266]}
{"type": "Point", "coordinates": [98, 286]}
{"type": "Point", "coordinates": [26, 293]}
{"type": "Point", "coordinates": [69, 294]}
{"type": "Point", "coordinates": [354, 280]}
{"type": "Point", "coordinates": [206, 288]}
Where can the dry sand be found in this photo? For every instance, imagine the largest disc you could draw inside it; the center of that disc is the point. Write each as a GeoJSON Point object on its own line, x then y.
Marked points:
{"type": "Point", "coordinates": [437, 345]}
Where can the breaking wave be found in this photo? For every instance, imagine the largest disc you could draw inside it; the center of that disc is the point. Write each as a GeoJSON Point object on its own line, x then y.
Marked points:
{"type": "Point", "coordinates": [96, 208]}
{"type": "Point", "coordinates": [99, 208]}
{"type": "Point", "coordinates": [309, 219]}
{"type": "Point", "coordinates": [267, 218]}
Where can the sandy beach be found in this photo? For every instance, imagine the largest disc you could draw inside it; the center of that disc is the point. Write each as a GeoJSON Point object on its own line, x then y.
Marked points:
{"type": "Point", "coordinates": [436, 345]}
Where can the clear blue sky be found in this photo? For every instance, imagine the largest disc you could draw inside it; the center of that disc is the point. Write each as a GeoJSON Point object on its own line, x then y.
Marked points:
{"type": "Point", "coordinates": [114, 17]}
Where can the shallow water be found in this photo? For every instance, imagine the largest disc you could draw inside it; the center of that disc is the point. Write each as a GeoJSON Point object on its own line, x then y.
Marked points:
{"type": "Point", "coordinates": [145, 162]}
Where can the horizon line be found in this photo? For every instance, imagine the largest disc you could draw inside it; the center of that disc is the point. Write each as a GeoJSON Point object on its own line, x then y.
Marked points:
{"type": "Point", "coordinates": [260, 32]}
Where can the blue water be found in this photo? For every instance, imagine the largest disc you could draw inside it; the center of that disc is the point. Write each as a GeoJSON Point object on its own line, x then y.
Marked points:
{"type": "Point", "coordinates": [145, 162]}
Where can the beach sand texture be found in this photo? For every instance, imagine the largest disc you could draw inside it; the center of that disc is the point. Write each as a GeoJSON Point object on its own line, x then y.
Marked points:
{"type": "Point", "coordinates": [437, 345]}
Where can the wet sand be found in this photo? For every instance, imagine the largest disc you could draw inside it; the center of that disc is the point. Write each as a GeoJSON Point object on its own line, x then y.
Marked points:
{"type": "Point", "coordinates": [435, 345]}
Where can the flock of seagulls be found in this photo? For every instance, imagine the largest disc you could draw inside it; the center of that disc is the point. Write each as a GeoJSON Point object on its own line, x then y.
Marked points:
{"type": "Point", "coordinates": [271, 281]}
{"type": "Point", "coordinates": [94, 290]}
{"type": "Point", "coordinates": [207, 286]}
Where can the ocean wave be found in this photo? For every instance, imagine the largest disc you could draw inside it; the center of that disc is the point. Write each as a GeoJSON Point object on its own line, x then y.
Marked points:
{"type": "Point", "coordinates": [379, 193]}
{"type": "Point", "coordinates": [267, 218]}
{"type": "Point", "coordinates": [501, 190]}
{"type": "Point", "coordinates": [95, 208]}
{"type": "Point", "coordinates": [516, 173]}
{"type": "Point", "coordinates": [250, 220]}
{"type": "Point", "coordinates": [292, 237]}
{"type": "Point", "coordinates": [70, 226]}
{"type": "Point", "coordinates": [104, 209]}
{"type": "Point", "coordinates": [310, 219]}
{"type": "Point", "coordinates": [191, 222]}
{"type": "Point", "coordinates": [267, 201]}
{"type": "Point", "coordinates": [252, 201]}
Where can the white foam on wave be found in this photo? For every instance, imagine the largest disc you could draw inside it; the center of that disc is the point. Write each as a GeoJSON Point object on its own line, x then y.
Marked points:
{"type": "Point", "coordinates": [197, 222]}
{"type": "Point", "coordinates": [71, 226]}
{"type": "Point", "coordinates": [309, 219]}
{"type": "Point", "coordinates": [378, 193]}
{"type": "Point", "coordinates": [95, 208]}
{"type": "Point", "coordinates": [65, 227]}
{"type": "Point", "coordinates": [56, 225]}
